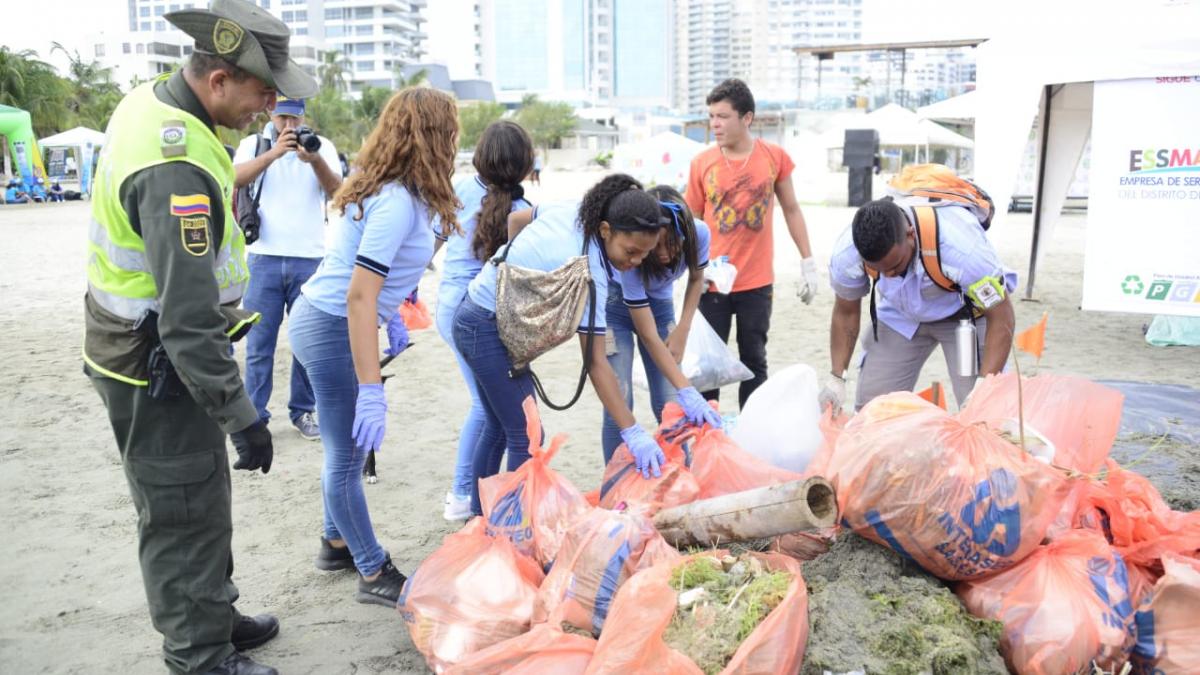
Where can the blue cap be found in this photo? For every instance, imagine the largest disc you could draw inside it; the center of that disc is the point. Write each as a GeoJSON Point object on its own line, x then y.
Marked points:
{"type": "Point", "coordinates": [289, 106]}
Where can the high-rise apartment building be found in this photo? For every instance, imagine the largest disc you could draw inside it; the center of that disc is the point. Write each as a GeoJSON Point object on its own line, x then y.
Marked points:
{"type": "Point", "coordinates": [753, 40]}
{"type": "Point", "coordinates": [584, 52]}
{"type": "Point", "coordinates": [376, 37]}
{"type": "Point", "coordinates": [454, 37]}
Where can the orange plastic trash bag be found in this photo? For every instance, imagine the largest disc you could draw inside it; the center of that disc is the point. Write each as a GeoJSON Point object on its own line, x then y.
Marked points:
{"type": "Point", "coordinates": [954, 498]}
{"type": "Point", "coordinates": [545, 650]}
{"type": "Point", "coordinates": [472, 592]}
{"type": "Point", "coordinates": [1064, 606]}
{"type": "Point", "coordinates": [415, 315]}
{"type": "Point", "coordinates": [1081, 418]}
{"type": "Point", "coordinates": [633, 640]}
{"type": "Point", "coordinates": [623, 483]}
{"type": "Point", "coordinates": [1168, 621]}
{"type": "Point", "coordinates": [600, 552]}
{"type": "Point", "coordinates": [719, 465]}
{"type": "Point", "coordinates": [1129, 510]}
{"type": "Point", "coordinates": [534, 505]}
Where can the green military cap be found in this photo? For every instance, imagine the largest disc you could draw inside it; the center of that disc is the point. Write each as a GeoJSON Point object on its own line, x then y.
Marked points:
{"type": "Point", "coordinates": [249, 38]}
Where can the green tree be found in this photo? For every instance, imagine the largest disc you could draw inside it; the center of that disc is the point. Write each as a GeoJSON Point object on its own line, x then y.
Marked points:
{"type": "Point", "coordinates": [332, 71]}
{"type": "Point", "coordinates": [474, 118]}
{"type": "Point", "coordinates": [371, 103]}
{"type": "Point", "coordinates": [547, 123]}
{"type": "Point", "coordinates": [95, 95]}
{"type": "Point", "coordinates": [418, 78]}
{"type": "Point", "coordinates": [31, 84]}
{"type": "Point", "coordinates": [333, 117]}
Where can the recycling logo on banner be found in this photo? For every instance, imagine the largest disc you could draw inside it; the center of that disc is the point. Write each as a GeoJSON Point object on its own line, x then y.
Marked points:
{"type": "Point", "coordinates": [1132, 285]}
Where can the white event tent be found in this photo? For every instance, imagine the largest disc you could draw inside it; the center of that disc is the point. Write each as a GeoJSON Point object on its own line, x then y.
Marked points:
{"type": "Point", "coordinates": [1044, 66]}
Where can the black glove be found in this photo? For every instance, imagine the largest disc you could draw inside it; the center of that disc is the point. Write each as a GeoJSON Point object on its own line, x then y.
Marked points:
{"type": "Point", "coordinates": [254, 447]}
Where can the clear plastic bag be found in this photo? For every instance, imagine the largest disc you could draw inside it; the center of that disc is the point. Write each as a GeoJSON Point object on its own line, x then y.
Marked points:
{"type": "Point", "coordinates": [780, 423]}
{"type": "Point", "coordinates": [707, 362]}
{"type": "Point", "coordinates": [721, 274]}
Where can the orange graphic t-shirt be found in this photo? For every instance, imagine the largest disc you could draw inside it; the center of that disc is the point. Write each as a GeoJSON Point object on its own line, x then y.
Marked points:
{"type": "Point", "coordinates": [737, 203]}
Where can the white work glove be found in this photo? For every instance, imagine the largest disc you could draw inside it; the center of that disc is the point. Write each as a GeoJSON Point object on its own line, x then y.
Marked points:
{"type": "Point", "coordinates": [807, 288]}
{"type": "Point", "coordinates": [833, 394]}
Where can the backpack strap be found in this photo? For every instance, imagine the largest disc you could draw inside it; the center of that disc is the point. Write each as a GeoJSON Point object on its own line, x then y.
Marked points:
{"type": "Point", "coordinates": [929, 246]}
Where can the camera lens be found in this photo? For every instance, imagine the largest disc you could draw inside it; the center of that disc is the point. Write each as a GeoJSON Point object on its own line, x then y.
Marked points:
{"type": "Point", "coordinates": [308, 139]}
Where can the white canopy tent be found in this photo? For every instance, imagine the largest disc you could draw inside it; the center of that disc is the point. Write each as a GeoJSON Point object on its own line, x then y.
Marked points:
{"type": "Point", "coordinates": [663, 159]}
{"type": "Point", "coordinates": [1044, 65]}
{"type": "Point", "coordinates": [73, 138]}
{"type": "Point", "coordinates": [897, 126]}
{"type": "Point", "coordinates": [955, 110]}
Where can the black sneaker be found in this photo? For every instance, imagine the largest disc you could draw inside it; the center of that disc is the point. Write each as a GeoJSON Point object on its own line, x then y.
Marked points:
{"type": "Point", "coordinates": [332, 559]}
{"type": "Point", "coordinates": [385, 590]}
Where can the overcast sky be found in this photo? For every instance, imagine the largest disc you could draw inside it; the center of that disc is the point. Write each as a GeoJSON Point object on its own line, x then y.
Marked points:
{"type": "Point", "coordinates": [33, 24]}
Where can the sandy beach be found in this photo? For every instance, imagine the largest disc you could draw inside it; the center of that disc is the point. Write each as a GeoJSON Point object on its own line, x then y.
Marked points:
{"type": "Point", "coordinates": [75, 602]}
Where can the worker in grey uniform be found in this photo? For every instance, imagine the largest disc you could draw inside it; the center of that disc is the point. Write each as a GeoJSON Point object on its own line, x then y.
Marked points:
{"type": "Point", "coordinates": [924, 292]}
{"type": "Point", "coordinates": [166, 270]}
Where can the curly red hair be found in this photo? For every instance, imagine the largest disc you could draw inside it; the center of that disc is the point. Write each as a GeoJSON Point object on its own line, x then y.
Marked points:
{"type": "Point", "coordinates": [413, 144]}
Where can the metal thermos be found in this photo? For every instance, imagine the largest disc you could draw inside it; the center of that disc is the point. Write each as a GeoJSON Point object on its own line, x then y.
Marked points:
{"type": "Point", "coordinates": [964, 337]}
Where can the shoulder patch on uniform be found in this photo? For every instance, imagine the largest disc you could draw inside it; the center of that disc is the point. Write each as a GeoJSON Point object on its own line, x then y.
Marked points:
{"type": "Point", "coordinates": [194, 234]}
{"type": "Point", "coordinates": [174, 138]}
{"type": "Point", "coordinates": [190, 205]}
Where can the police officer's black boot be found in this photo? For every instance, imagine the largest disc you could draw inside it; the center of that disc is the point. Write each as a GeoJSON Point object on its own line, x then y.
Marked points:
{"type": "Point", "coordinates": [239, 664]}
{"type": "Point", "coordinates": [253, 631]}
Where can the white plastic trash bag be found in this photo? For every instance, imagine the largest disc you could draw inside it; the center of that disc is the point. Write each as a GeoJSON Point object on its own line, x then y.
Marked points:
{"type": "Point", "coordinates": [721, 273]}
{"type": "Point", "coordinates": [707, 361]}
{"type": "Point", "coordinates": [781, 421]}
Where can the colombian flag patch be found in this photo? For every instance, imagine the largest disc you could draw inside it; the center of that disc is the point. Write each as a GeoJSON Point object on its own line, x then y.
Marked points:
{"type": "Point", "coordinates": [190, 205]}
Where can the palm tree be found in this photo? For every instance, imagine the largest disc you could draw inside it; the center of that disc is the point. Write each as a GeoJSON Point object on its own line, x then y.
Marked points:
{"type": "Point", "coordinates": [416, 79]}
{"type": "Point", "coordinates": [32, 85]}
{"type": "Point", "coordinates": [333, 69]}
{"type": "Point", "coordinates": [95, 94]}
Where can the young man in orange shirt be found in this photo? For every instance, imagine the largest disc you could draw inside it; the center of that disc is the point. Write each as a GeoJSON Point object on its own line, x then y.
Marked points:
{"type": "Point", "coordinates": [732, 188]}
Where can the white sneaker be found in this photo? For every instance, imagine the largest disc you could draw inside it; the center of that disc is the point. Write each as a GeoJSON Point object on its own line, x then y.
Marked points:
{"type": "Point", "coordinates": [457, 508]}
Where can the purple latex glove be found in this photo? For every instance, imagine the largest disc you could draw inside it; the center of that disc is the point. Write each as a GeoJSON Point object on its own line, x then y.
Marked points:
{"type": "Point", "coordinates": [647, 456]}
{"type": "Point", "coordinates": [397, 335]}
{"type": "Point", "coordinates": [696, 409]}
{"type": "Point", "coordinates": [370, 417]}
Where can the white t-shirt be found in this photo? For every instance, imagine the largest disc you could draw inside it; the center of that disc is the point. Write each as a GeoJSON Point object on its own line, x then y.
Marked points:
{"type": "Point", "coordinates": [292, 207]}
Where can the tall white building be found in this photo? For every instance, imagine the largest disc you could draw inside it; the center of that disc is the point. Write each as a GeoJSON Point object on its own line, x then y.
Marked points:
{"type": "Point", "coordinates": [454, 37]}
{"type": "Point", "coordinates": [376, 37]}
{"type": "Point", "coordinates": [753, 40]}
{"type": "Point", "coordinates": [584, 52]}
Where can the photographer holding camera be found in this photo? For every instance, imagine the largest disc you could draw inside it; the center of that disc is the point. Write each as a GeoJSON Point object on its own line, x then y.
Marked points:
{"type": "Point", "coordinates": [288, 172]}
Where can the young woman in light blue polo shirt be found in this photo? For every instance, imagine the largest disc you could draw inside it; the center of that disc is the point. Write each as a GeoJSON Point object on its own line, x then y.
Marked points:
{"type": "Point", "coordinates": [641, 303]}
{"type": "Point", "coordinates": [379, 250]}
{"type": "Point", "coordinates": [618, 224]}
{"type": "Point", "coordinates": [503, 157]}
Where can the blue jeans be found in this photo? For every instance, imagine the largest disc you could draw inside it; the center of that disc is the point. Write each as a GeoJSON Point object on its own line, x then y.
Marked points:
{"type": "Point", "coordinates": [322, 343]}
{"type": "Point", "coordinates": [449, 298]}
{"type": "Point", "coordinates": [478, 341]}
{"type": "Point", "coordinates": [620, 356]}
{"type": "Point", "coordinates": [275, 283]}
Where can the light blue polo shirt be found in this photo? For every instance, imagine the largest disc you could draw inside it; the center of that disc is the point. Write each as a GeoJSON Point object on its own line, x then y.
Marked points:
{"type": "Point", "coordinates": [394, 239]}
{"type": "Point", "coordinates": [905, 302]}
{"type": "Point", "coordinates": [546, 244]}
{"type": "Point", "coordinates": [637, 291]}
{"type": "Point", "coordinates": [460, 265]}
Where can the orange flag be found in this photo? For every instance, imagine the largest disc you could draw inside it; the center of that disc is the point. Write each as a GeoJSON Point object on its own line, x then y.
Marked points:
{"type": "Point", "coordinates": [935, 395]}
{"type": "Point", "coordinates": [1033, 341]}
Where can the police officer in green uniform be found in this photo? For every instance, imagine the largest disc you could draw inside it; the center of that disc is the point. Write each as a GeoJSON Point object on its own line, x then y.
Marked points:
{"type": "Point", "coordinates": [166, 269]}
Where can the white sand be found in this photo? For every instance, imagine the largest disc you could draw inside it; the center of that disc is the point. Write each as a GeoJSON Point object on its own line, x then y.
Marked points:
{"type": "Point", "coordinates": [73, 599]}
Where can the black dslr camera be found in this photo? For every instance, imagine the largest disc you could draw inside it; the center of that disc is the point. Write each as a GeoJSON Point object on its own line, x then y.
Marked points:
{"type": "Point", "coordinates": [307, 138]}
